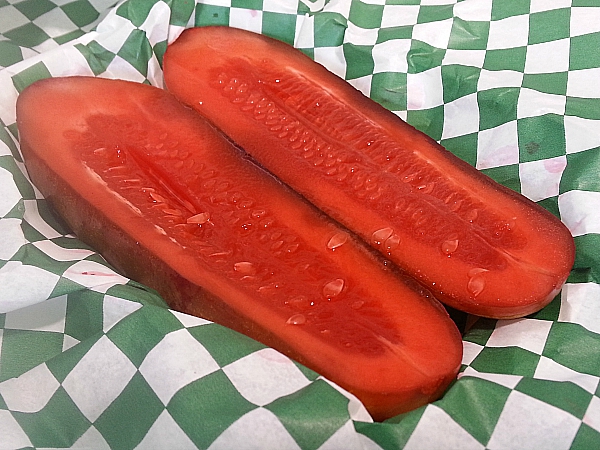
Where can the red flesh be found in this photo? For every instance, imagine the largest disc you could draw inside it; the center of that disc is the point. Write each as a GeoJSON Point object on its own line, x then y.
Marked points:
{"type": "Point", "coordinates": [478, 246]}
{"type": "Point", "coordinates": [173, 204]}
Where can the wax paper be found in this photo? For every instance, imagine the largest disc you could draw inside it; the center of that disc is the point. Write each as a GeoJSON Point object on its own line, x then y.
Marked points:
{"type": "Point", "coordinates": [92, 360]}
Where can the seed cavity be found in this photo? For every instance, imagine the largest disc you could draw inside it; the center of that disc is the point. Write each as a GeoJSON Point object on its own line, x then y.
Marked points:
{"type": "Point", "coordinates": [244, 268]}
{"type": "Point", "coordinates": [199, 219]}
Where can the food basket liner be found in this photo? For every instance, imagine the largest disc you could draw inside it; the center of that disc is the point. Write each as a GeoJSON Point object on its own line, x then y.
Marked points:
{"type": "Point", "coordinates": [92, 360]}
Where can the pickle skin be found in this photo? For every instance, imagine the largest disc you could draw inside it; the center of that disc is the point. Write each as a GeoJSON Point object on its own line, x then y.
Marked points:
{"type": "Point", "coordinates": [478, 246]}
{"type": "Point", "coordinates": [171, 203]}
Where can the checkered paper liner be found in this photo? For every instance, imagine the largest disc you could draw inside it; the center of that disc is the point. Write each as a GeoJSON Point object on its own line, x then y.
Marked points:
{"type": "Point", "coordinates": [92, 360]}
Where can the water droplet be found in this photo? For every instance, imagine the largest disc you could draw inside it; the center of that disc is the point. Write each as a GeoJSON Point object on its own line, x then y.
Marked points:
{"type": "Point", "coordinates": [199, 218]}
{"type": "Point", "coordinates": [357, 304]}
{"type": "Point", "coordinates": [476, 284]}
{"type": "Point", "coordinates": [296, 319]}
{"type": "Point", "coordinates": [244, 268]}
{"type": "Point", "coordinates": [333, 288]}
{"type": "Point", "coordinates": [450, 245]}
{"type": "Point", "coordinates": [337, 240]}
{"type": "Point", "coordinates": [392, 242]}
{"type": "Point", "coordinates": [381, 235]}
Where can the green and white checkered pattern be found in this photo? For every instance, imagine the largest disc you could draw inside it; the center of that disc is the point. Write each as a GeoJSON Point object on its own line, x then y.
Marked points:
{"type": "Point", "coordinates": [89, 359]}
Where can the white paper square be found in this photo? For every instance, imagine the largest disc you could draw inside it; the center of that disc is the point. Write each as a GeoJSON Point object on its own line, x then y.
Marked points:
{"type": "Point", "coordinates": [360, 36]}
{"type": "Point", "coordinates": [305, 32]}
{"type": "Point", "coordinates": [363, 84]}
{"type": "Point", "coordinates": [547, 5]}
{"type": "Point", "coordinates": [529, 423]}
{"type": "Point", "coordinates": [94, 275]}
{"type": "Point", "coordinates": [474, 10]}
{"type": "Point", "coordinates": [11, 237]}
{"type": "Point", "coordinates": [11, 18]}
{"type": "Point", "coordinates": [510, 32]}
{"type": "Point", "coordinates": [257, 429]}
{"type": "Point", "coordinates": [55, 23]}
{"type": "Point", "coordinates": [10, 194]}
{"type": "Point", "coordinates": [448, 434]}
{"type": "Point", "coordinates": [473, 58]}
{"type": "Point", "coordinates": [48, 315]}
{"type": "Point", "coordinates": [436, 34]}
{"type": "Point", "coordinates": [581, 134]}
{"type": "Point", "coordinates": [548, 57]}
{"type": "Point", "coordinates": [461, 117]}
{"type": "Point", "coordinates": [98, 378]}
{"type": "Point", "coordinates": [530, 334]}
{"type": "Point", "coordinates": [280, 6]}
{"type": "Point", "coordinates": [424, 89]}
{"type": "Point", "coordinates": [24, 285]}
{"type": "Point", "coordinates": [390, 56]}
{"type": "Point", "coordinates": [498, 146]}
{"type": "Point", "coordinates": [490, 79]}
{"type": "Point", "coordinates": [541, 179]}
{"type": "Point", "coordinates": [59, 253]}
{"type": "Point", "coordinates": [339, 6]}
{"type": "Point", "coordinates": [580, 211]}
{"type": "Point", "coordinates": [247, 19]}
{"type": "Point", "coordinates": [506, 380]}
{"type": "Point", "coordinates": [580, 303]}
{"type": "Point", "coordinates": [177, 360]}
{"type": "Point", "coordinates": [470, 352]}
{"type": "Point", "coordinates": [534, 103]}
{"type": "Point", "coordinates": [399, 15]}
{"type": "Point", "coordinates": [584, 20]}
{"type": "Point", "coordinates": [189, 321]}
{"type": "Point", "coordinates": [115, 309]}
{"type": "Point", "coordinates": [31, 391]}
{"type": "Point", "coordinates": [13, 435]}
{"type": "Point", "coordinates": [592, 415]}
{"type": "Point", "coordinates": [264, 376]}
{"type": "Point", "coordinates": [165, 433]}
{"type": "Point", "coordinates": [332, 58]}
{"type": "Point", "coordinates": [584, 83]}
{"type": "Point", "coordinates": [547, 369]}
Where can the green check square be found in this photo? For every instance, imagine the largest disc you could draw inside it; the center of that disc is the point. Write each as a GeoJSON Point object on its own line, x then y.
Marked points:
{"type": "Point", "coordinates": [506, 360]}
{"type": "Point", "coordinates": [458, 81]}
{"type": "Point", "coordinates": [140, 405]}
{"type": "Point", "coordinates": [359, 60]}
{"type": "Point", "coordinates": [469, 35]}
{"type": "Point", "coordinates": [213, 402]}
{"type": "Point", "coordinates": [506, 175]}
{"type": "Point", "coordinates": [552, 310]}
{"type": "Point", "coordinates": [497, 106]}
{"type": "Point", "coordinates": [584, 52]}
{"type": "Point", "coordinates": [365, 15]}
{"type": "Point", "coordinates": [137, 51]}
{"type": "Point", "coordinates": [30, 75]}
{"type": "Point", "coordinates": [581, 173]}
{"type": "Point", "coordinates": [247, 4]}
{"type": "Point", "coordinates": [466, 397]}
{"type": "Point", "coordinates": [549, 26]}
{"type": "Point", "coordinates": [207, 15]}
{"type": "Point", "coordinates": [573, 346]}
{"type": "Point", "coordinates": [313, 414]}
{"type": "Point", "coordinates": [587, 108]}
{"type": "Point", "coordinates": [501, 9]}
{"type": "Point", "coordinates": [84, 316]}
{"type": "Point", "coordinates": [434, 13]}
{"type": "Point", "coordinates": [586, 438]}
{"type": "Point", "coordinates": [224, 344]}
{"type": "Point", "coordinates": [393, 33]}
{"type": "Point", "coordinates": [57, 425]}
{"type": "Point", "coordinates": [550, 83]}
{"type": "Point", "coordinates": [541, 137]}
{"type": "Point", "coordinates": [22, 350]}
{"type": "Point", "coordinates": [81, 12]}
{"type": "Point", "coordinates": [32, 9]}
{"type": "Point", "coordinates": [329, 29]}
{"type": "Point", "coordinates": [505, 59]}
{"type": "Point", "coordinates": [465, 147]}
{"type": "Point", "coordinates": [28, 35]}
{"type": "Point", "coordinates": [585, 269]}
{"type": "Point", "coordinates": [389, 90]}
{"type": "Point", "coordinates": [9, 53]}
{"type": "Point", "coordinates": [422, 57]}
{"type": "Point", "coordinates": [429, 121]}
{"type": "Point", "coordinates": [564, 395]}
{"type": "Point", "coordinates": [68, 37]}
{"type": "Point", "coordinates": [97, 57]}
{"type": "Point", "coordinates": [142, 330]}
{"type": "Point", "coordinates": [279, 26]}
